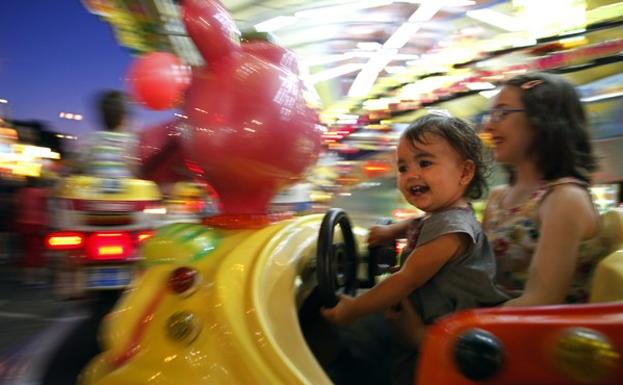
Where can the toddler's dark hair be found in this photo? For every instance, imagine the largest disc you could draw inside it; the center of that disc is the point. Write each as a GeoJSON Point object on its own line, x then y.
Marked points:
{"type": "Point", "coordinates": [112, 108]}
{"type": "Point", "coordinates": [462, 136]}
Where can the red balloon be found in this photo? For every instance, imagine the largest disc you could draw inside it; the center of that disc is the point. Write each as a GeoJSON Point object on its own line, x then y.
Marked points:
{"type": "Point", "coordinates": [158, 80]}
{"type": "Point", "coordinates": [211, 27]}
{"type": "Point", "coordinates": [274, 54]}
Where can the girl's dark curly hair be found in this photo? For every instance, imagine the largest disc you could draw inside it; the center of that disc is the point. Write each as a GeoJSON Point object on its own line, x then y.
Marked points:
{"type": "Point", "coordinates": [463, 138]}
{"type": "Point", "coordinates": [562, 142]}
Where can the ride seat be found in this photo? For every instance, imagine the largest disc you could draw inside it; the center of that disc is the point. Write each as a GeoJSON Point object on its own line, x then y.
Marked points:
{"type": "Point", "coordinates": [607, 282]}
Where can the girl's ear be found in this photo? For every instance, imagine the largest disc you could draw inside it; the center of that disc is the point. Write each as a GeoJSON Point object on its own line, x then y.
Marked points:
{"type": "Point", "coordinates": [469, 170]}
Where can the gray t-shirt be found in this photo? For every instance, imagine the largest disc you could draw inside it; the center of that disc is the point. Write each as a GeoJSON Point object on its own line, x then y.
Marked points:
{"type": "Point", "coordinates": [465, 281]}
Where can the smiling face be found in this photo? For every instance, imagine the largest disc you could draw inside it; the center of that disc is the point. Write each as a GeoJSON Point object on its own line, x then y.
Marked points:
{"type": "Point", "coordinates": [431, 174]}
{"type": "Point", "coordinates": [509, 128]}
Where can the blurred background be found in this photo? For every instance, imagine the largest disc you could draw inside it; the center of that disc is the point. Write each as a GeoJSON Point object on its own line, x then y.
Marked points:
{"type": "Point", "coordinates": [370, 67]}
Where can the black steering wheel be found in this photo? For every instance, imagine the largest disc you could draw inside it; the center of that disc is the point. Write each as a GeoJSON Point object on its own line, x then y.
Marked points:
{"type": "Point", "coordinates": [336, 263]}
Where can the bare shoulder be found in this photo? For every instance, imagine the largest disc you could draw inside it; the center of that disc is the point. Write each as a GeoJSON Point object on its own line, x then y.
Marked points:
{"type": "Point", "coordinates": [570, 203]}
{"type": "Point", "coordinates": [568, 194]}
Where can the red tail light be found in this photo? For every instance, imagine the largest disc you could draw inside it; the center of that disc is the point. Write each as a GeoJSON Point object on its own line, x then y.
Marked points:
{"type": "Point", "coordinates": [109, 246]}
{"type": "Point", "coordinates": [64, 240]}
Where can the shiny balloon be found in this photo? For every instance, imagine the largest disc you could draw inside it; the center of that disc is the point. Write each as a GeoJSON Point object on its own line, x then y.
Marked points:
{"type": "Point", "coordinates": [272, 53]}
{"type": "Point", "coordinates": [249, 131]}
{"type": "Point", "coordinates": [158, 80]}
{"type": "Point", "coordinates": [211, 27]}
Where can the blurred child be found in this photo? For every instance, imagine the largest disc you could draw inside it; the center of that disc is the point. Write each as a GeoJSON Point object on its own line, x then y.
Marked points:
{"type": "Point", "coordinates": [448, 264]}
{"type": "Point", "coordinates": [111, 152]}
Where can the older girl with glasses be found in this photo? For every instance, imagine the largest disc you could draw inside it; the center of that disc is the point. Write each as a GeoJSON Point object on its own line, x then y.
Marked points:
{"type": "Point", "coordinates": [536, 224]}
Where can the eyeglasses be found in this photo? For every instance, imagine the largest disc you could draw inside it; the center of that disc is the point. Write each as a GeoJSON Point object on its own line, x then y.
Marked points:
{"type": "Point", "coordinates": [496, 115]}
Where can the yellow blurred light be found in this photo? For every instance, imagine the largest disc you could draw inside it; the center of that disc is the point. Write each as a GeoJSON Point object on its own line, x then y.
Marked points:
{"type": "Point", "coordinates": [378, 127]}
{"type": "Point", "coordinates": [155, 210]}
{"type": "Point", "coordinates": [144, 236]}
{"type": "Point", "coordinates": [320, 196]}
{"type": "Point", "coordinates": [8, 133]}
{"type": "Point", "coordinates": [544, 18]}
{"type": "Point", "coordinates": [73, 240]}
{"type": "Point", "coordinates": [110, 250]}
{"type": "Point", "coordinates": [27, 169]}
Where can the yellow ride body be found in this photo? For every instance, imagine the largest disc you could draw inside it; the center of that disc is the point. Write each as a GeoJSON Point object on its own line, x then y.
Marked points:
{"type": "Point", "coordinates": [252, 282]}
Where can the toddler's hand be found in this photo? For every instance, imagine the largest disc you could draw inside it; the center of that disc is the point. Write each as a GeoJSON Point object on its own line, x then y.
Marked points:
{"type": "Point", "coordinates": [378, 235]}
{"type": "Point", "coordinates": [341, 314]}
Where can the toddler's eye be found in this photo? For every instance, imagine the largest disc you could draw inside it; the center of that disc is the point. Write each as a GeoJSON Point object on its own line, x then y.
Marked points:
{"type": "Point", "coordinates": [402, 168]}
{"type": "Point", "coordinates": [425, 163]}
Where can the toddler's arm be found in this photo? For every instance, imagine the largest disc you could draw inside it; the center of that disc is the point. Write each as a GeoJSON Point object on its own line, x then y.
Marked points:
{"type": "Point", "coordinates": [423, 263]}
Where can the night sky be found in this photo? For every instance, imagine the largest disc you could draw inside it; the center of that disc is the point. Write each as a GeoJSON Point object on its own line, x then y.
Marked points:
{"type": "Point", "coordinates": [55, 56]}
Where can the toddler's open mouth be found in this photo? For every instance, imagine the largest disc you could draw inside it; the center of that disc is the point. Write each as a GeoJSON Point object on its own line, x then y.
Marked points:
{"type": "Point", "coordinates": [420, 189]}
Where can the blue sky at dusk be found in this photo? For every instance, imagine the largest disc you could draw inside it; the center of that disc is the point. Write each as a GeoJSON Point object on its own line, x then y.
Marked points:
{"type": "Point", "coordinates": [55, 56]}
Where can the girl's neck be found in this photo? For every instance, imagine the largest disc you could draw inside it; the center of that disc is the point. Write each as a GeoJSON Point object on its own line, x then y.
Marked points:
{"type": "Point", "coordinates": [527, 175]}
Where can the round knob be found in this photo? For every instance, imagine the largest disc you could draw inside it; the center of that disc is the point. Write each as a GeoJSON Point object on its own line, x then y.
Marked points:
{"type": "Point", "coordinates": [585, 355]}
{"type": "Point", "coordinates": [478, 354]}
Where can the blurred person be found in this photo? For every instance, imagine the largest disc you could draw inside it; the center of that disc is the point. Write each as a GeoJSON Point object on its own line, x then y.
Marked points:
{"type": "Point", "coordinates": [539, 129]}
{"type": "Point", "coordinates": [110, 153]}
{"type": "Point", "coordinates": [32, 224]}
{"type": "Point", "coordinates": [447, 264]}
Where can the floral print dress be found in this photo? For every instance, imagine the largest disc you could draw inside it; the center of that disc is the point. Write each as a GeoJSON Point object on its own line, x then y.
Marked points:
{"type": "Point", "coordinates": [514, 234]}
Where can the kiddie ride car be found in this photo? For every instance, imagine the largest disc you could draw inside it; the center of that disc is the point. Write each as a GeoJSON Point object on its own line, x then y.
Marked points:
{"type": "Point", "coordinates": [101, 223]}
{"type": "Point", "coordinates": [218, 302]}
